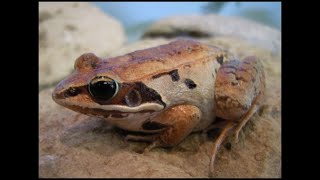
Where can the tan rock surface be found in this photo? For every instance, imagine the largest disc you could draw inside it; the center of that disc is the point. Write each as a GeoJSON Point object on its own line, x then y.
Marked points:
{"type": "Point", "coordinates": [66, 30]}
{"type": "Point", "coordinates": [75, 145]}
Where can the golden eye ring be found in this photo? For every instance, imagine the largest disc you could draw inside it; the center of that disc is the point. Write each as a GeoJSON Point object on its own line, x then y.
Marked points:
{"type": "Point", "coordinates": [103, 88]}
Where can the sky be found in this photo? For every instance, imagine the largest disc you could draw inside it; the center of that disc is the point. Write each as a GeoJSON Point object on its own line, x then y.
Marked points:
{"type": "Point", "coordinates": [130, 13]}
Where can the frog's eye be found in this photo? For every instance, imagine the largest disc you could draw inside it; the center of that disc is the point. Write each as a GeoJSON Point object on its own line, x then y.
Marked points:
{"type": "Point", "coordinates": [103, 88]}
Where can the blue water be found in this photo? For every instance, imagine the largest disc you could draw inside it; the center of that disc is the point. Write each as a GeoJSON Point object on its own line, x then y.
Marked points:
{"type": "Point", "coordinates": [138, 14]}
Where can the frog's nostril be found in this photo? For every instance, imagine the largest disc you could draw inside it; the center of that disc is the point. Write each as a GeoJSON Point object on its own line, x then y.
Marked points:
{"type": "Point", "coordinates": [71, 92]}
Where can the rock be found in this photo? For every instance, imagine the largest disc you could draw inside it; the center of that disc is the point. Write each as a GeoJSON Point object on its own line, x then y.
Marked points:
{"type": "Point", "coordinates": [67, 30]}
{"type": "Point", "coordinates": [142, 44]}
{"type": "Point", "coordinates": [205, 26]}
{"type": "Point", "coordinates": [75, 145]}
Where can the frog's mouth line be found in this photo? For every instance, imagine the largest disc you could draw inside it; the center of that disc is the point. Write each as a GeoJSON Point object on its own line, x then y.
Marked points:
{"type": "Point", "coordinates": [116, 111]}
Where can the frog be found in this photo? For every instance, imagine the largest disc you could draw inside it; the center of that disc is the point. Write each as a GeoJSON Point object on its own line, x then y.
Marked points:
{"type": "Point", "coordinates": [167, 92]}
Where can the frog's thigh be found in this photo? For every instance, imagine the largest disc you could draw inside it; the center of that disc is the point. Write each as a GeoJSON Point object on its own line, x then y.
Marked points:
{"type": "Point", "coordinates": [239, 85]}
{"type": "Point", "coordinates": [239, 90]}
{"type": "Point", "coordinates": [180, 121]}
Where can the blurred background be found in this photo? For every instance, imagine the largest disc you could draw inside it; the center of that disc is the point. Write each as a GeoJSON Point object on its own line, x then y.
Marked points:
{"type": "Point", "coordinates": [137, 16]}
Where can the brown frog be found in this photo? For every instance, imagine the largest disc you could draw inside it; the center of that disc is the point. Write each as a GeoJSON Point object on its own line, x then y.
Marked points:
{"type": "Point", "coordinates": [167, 92]}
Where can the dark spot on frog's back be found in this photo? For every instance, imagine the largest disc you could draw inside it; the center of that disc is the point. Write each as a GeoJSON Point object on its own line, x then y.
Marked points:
{"type": "Point", "coordinates": [149, 125]}
{"type": "Point", "coordinates": [174, 75]}
{"type": "Point", "coordinates": [190, 84]}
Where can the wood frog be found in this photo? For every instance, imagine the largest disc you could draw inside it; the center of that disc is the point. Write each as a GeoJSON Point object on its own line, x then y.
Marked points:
{"type": "Point", "coordinates": [167, 92]}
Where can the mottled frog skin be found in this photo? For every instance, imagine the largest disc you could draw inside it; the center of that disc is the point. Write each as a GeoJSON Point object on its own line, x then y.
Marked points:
{"type": "Point", "coordinates": [167, 92]}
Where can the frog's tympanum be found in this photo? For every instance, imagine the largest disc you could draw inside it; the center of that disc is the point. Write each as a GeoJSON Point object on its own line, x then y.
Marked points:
{"type": "Point", "coordinates": [167, 92]}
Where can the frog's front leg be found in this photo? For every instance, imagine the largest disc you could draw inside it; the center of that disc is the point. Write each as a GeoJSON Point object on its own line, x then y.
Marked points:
{"type": "Point", "coordinates": [239, 91]}
{"type": "Point", "coordinates": [177, 122]}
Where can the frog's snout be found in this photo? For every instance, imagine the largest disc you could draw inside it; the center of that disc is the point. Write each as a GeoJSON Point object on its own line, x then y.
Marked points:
{"type": "Point", "coordinates": [60, 91]}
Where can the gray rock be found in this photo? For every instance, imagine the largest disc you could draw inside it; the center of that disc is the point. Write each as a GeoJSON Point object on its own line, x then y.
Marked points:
{"type": "Point", "coordinates": [67, 30]}
{"type": "Point", "coordinates": [206, 26]}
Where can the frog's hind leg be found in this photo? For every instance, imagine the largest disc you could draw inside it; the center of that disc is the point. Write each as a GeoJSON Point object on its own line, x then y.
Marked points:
{"type": "Point", "coordinates": [239, 90]}
{"type": "Point", "coordinates": [229, 126]}
{"type": "Point", "coordinates": [244, 120]}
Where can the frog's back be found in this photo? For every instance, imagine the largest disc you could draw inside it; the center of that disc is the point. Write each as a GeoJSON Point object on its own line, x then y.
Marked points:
{"type": "Point", "coordinates": [142, 63]}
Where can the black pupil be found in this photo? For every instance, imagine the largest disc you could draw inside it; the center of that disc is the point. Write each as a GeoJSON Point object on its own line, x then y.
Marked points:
{"type": "Point", "coordinates": [103, 90]}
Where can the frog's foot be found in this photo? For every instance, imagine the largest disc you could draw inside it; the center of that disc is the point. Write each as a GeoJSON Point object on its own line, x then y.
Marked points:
{"type": "Point", "coordinates": [146, 138]}
{"type": "Point", "coordinates": [179, 121]}
{"type": "Point", "coordinates": [243, 121]}
{"type": "Point", "coordinates": [151, 146]}
{"type": "Point", "coordinates": [229, 126]}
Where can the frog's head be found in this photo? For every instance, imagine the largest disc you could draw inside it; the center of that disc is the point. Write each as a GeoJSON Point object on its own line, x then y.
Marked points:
{"type": "Point", "coordinates": [94, 89]}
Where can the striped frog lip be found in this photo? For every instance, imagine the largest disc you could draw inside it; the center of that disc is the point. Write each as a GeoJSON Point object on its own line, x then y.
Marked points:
{"type": "Point", "coordinates": [118, 112]}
